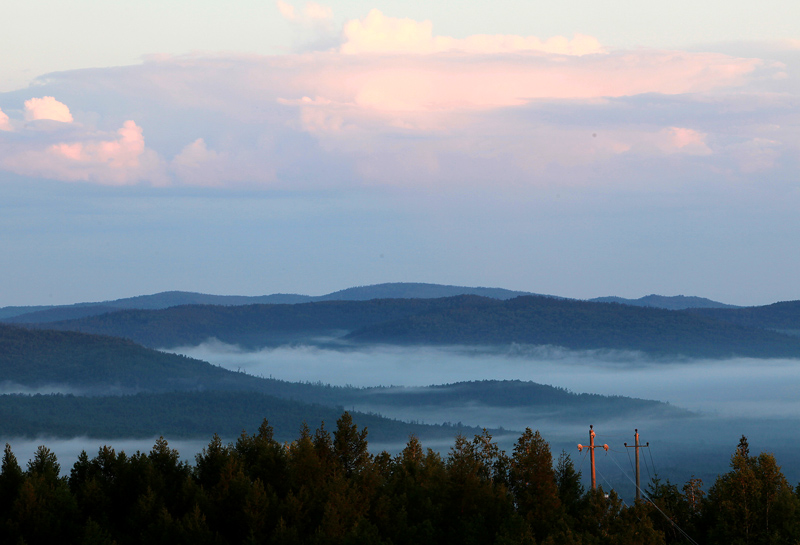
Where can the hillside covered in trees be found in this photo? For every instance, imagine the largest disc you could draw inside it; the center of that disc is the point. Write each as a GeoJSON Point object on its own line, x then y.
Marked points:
{"type": "Point", "coordinates": [327, 488]}
{"type": "Point", "coordinates": [183, 397]}
{"type": "Point", "coordinates": [167, 299]}
{"type": "Point", "coordinates": [462, 320]}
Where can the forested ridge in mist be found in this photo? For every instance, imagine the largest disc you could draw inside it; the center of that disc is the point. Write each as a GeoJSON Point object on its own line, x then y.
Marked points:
{"type": "Point", "coordinates": [188, 415]}
{"type": "Point", "coordinates": [327, 488]}
{"type": "Point", "coordinates": [461, 320]}
{"type": "Point", "coordinates": [195, 397]}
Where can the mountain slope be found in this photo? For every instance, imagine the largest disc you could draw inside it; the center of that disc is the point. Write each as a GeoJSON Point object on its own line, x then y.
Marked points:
{"type": "Point", "coordinates": [579, 325]}
{"type": "Point", "coordinates": [186, 397]}
{"type": "Point", "coordinates": [189, 414]}
{"type": "Point", "coordinates": [784, 316]}
{"type": "Point", "coordinates": [461, 320]}
{"type": "Point", "coordinates": [675, 302]}
{"type": "Point", "coordinates": [167, 299]}
{"type": "Point", "coordinates": [248, 326]}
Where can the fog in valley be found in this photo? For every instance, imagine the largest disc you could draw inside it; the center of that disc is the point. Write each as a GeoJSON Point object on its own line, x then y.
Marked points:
{"type": "Point", "coordinates": [728, 398]}
{"type": "Point", "coordinates": [740, 387]}
{"type": "Point", "coordinates": [725, 399]}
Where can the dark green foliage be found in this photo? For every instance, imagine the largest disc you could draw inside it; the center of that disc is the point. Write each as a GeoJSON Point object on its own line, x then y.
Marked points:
{"type": "Point", "coordinates": [568, 482]}
{"type": "Point", "coordinates": [752, 503]}
{"type": "Point", "coordinates": [182, 414]}
{"type": "Point", "coordinates": [326, 488]}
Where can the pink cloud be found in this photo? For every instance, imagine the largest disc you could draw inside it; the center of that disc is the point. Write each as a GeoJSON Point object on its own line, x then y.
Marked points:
{"type": "Point", "coordinates": [386, 85]}
{"type": "Point", "coordinates": [682, 140]}
{"type": "Point", "coordinates": [5, 124]}
{"type": "Point", "coordinates": [47, 108]}
{"type": "Point", "coordinates": [377, 33]}
{"type": "Point", "coordinates": [119, 161]}
{"type": "Point", "coordinates": [286, 9]}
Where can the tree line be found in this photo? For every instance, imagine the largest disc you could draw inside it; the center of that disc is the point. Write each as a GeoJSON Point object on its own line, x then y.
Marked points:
{"type": "Point", "coordinates": [327, 488]}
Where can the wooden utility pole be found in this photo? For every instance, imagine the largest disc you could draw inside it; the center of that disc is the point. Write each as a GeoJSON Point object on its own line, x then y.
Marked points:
{"type": "Point", "coordinates": [591, 448]}
{"type": "Point", "coordinates": [638, 479]}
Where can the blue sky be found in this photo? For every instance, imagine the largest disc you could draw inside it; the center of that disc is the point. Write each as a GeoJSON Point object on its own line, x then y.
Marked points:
{"type": "Point", "coordinates": [260, 147]}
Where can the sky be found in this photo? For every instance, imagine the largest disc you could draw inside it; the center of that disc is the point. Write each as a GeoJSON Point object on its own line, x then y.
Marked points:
{"type": "Point", "coordinates": [580, 149]}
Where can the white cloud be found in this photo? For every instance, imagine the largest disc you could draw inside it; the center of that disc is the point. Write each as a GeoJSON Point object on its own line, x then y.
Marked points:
{"type": "Point", "coordinates": [198, 165]}
{"type": "Point", "coordinates": [47, 108]}
{"type": "Point", "coordinates": [379, 34]}
{"type": "Point", "coordinates": [318, 12]}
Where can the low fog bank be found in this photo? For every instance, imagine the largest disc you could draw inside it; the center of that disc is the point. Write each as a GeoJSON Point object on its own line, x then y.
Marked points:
{"type": "Point", "coordinates": [734, 387]}
{"type": "Point", "coordinates": [731, 398]}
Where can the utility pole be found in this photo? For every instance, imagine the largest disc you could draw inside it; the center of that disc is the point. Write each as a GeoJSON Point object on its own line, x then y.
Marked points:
{"type": "Point", "coordinates": [638, 479]}
{"type": "Point", "coordinates": [591, 448]}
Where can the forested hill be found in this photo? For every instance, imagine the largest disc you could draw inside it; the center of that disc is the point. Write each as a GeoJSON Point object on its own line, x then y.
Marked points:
{"type": "Point", "coordinates": [249, 326]}
{"type": "Point", "coordinates": [167, 299]}
{"type": "Point", "coordinates": [184, 397]}
{"type": "Point", "coordinates": [462, 320]}
{"type": "Point", "coordinates": [674, 302]}
{"type": "Point", "coordinates": [783, 316]}
{"type": "Point", "coordinates": [95, 363]}
{"type": "Point", "coordinates": [579, 325]}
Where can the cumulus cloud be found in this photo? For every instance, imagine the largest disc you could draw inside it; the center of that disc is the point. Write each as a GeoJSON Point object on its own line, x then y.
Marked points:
{"type": "Point", "coordinates": [120, 160]}
{"type": "Point", "coordinates": [377, 33]}
{"type": "Point", "coordinates": [47, 108]}
{"type": "Point", "coordinates": [198, 165]}
{"type": "Point", "coordinates": [396, 103]}
{"type": "Point", "coordinates": [5, 124]}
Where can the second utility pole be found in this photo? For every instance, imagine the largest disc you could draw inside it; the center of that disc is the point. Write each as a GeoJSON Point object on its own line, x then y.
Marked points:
{"type": "Point", "coordinates": [591, 448]}
{"type": "Point", "coordinates": [638, 480]}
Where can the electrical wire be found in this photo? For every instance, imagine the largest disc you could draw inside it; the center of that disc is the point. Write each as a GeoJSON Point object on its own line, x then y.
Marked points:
{"type": "Point", "coordinates": [647, 497]}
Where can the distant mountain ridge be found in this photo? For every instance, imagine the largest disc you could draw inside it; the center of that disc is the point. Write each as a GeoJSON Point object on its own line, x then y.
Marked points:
{"type": "Point", "coordinates": [468, 320]}
{"type": "Point", "coordinates": [168, 299]}
{"type": "Point", "coordinates": [783, 316]}
{"type": "Point", "coordinates": [674, 302]}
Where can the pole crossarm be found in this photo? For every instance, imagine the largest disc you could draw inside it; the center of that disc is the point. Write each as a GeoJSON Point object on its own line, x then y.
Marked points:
{"type": "Point", "coordinates": [591, 446]}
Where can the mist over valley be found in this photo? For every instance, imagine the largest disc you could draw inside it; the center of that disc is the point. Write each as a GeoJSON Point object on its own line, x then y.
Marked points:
{"type": "Point", "coordinates": [311, 361]}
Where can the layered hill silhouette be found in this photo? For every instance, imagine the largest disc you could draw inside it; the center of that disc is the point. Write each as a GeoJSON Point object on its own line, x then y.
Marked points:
{"type": "Point", "coordinates": [395, 290]}
{"type": "Point", "coordinates": [783, 316]}
{"type": "Point", "coordinates": [186, 397]}
{"type": "Point", "coordinates": [462, 320]}
{"type": "Point", "coordinates": [674, 302]}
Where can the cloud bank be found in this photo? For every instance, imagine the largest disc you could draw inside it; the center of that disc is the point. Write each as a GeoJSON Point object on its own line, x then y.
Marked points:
{"type": "Point", "coordinates": [395, 103]}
